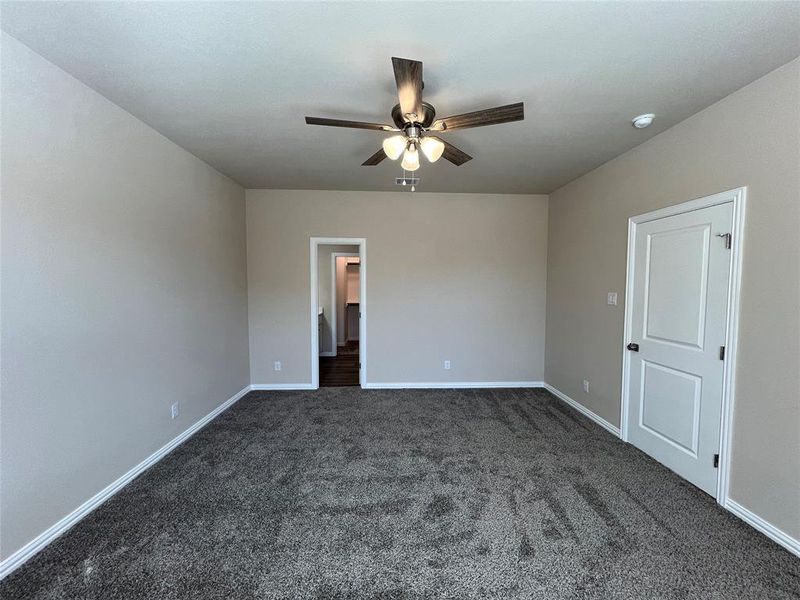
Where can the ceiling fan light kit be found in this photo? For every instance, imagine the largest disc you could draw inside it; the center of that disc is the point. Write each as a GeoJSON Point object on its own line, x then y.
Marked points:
{"type": "Point", "coordinates": [413, 119]}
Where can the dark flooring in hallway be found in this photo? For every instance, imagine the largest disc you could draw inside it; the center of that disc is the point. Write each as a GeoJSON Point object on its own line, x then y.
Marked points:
{"type": "Point", "coordinates": [342, 369]}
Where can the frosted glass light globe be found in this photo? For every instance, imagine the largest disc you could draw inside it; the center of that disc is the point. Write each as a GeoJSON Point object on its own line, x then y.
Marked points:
{"type": "Point", "coordinates": [432, 148]}
{"type": "Point", "coordinates": [394, 146]}
{"type": "Point", "coordinates": [411, 158]}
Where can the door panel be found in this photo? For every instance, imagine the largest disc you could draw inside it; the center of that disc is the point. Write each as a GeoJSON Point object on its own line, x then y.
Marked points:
{"type": "Point", "coordinates": [670, 405]}
{"type": "Point", "coordinates": [677, 271]}
{"type": "Point", "coordinates": [681, 270]}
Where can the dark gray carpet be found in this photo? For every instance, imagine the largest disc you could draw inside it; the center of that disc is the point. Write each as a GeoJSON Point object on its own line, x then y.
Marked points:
{"type": "Point", "coordinates": [345, 493]}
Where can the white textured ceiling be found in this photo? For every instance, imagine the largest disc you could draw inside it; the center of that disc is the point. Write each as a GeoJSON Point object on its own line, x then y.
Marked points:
{"type": "Point", "coordinates": [231, 82]}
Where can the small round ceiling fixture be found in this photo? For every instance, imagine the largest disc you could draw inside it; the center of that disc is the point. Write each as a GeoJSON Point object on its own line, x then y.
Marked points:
{"type": "Point", "coordinates": [643, 121]}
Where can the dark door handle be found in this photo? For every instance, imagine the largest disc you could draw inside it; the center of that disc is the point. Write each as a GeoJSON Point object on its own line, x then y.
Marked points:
{"type": "Point", "coordinates": [633, 347]}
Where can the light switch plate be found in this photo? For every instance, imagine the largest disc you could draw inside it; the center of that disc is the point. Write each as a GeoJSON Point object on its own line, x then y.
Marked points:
{"type": "Point", "coordinates": [612, 298]}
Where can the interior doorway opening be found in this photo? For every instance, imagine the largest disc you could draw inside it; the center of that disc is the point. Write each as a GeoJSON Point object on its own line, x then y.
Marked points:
{"type": "Point", "coordinates": [338, 281]}
{"type": "Point", "coordinates": [339, 351]}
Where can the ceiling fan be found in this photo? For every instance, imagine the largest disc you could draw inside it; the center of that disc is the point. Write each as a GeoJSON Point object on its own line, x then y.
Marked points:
{"type": "Point", "coordinates": [414, 120]}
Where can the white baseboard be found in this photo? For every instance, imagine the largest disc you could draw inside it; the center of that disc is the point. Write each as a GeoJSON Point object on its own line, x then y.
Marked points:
{"type": "Point", "coordinates": [281, 386]}
{"type": "Point", "coordinates": [18, 558]}
{"type": "Point", "coordinates": [583, 410]}
{"type": "Point", "coordinates": [453, 384]}
{"type": "Point", "coordinates": [765, 527]}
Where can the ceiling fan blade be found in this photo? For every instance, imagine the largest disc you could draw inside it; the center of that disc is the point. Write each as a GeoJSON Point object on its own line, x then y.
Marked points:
{"type": "Point", "coordinates": [479, 118]}
{"type": "Point", "coordinates": [374, 159]}
{"type": "Point", "coordinates": [454, 155]}
{"type": "Point", "coordinates": [408, 76]}
{"type": "Point", "coordinates": [350, 124]}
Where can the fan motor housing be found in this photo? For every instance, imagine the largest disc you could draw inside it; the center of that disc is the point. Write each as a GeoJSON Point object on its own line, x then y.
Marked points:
{"type": "Point", "coordinates": [428, 115]}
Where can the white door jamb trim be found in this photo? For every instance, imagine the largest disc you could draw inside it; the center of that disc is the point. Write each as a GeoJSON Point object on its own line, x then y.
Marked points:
{"type": "Point", "coordinates": [335, 315]}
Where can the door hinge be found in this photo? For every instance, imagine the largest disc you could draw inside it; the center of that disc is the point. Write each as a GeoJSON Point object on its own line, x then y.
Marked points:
{"type": "Point", "coordinates": [716, 461]}
{"type": "Point", "coordinates": [728, 239]}
{"type": "Point", "coordinates": [722, 352]}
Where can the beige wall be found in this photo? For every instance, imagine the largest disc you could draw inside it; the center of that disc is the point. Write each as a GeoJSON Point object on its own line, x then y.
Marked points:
{"type": "Point", "coordinates": [751, 138]}
{"type": "Point", "coordinates": [324, 252]}
{"type": "Point", "coordinates": [449, 276]}
{"type": "Point", "coordinates": [123, 291]}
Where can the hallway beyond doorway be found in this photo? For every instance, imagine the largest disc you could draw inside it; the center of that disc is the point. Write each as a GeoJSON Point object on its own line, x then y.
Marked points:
{"type": "Point", "coordinates": [342, 369]}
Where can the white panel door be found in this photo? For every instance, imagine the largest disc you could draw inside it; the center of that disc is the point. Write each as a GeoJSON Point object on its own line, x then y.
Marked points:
{"type": "Point", "coordinates": [681, 272]}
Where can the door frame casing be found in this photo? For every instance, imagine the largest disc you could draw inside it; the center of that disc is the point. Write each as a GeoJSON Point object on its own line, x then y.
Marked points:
{"type": "Point", "coordinates": [334, 322]}
{"type": "Point", "coordinates": [738, 199]}
{"type": "Point", "coordinates": [314, 243]}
